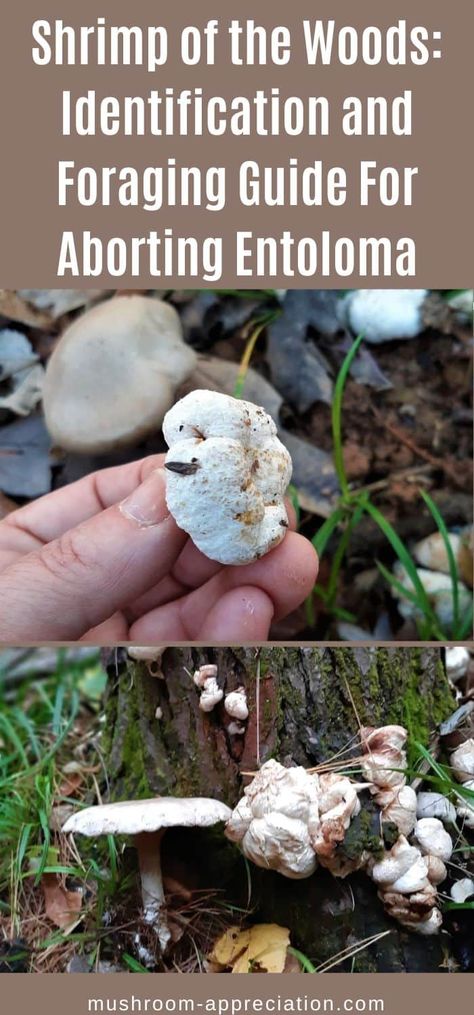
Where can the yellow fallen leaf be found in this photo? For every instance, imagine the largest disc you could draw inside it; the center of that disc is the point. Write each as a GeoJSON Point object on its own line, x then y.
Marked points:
{"type": "Point", "coordinates": [229, 946]}
{"type": "Point", "coordinates": [260, 949]}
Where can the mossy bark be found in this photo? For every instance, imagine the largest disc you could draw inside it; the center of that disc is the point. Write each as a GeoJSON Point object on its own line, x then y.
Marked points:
{"type": "Point", "coordinates": [305, 705]}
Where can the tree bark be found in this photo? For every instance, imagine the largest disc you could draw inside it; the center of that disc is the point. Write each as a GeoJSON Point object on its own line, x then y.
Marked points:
{"type": "Point", "coordinates": [305, 705]}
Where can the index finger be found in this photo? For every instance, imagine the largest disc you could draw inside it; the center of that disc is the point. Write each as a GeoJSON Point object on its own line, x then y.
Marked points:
{"type": "Point", "coordinates": [51, 516]}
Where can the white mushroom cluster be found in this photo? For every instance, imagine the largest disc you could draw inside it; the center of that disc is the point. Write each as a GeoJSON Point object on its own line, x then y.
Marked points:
{"type": "Point", "coordinates": [384, 765]}
{"type": "Point", "coordinates": [205, 678]}
{"type": "Point", "coordinates": [462, 765]}
{"type": "Point", "coordinates": [407, 876]}
{"type": "Point", "coordinates": [288, 818]}
{"type": "Point", "coordinates": [227, 473]}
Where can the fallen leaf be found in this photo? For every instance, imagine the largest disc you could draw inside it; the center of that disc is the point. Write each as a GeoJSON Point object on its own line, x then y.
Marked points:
{"type": "Point", "coordinates": [60, 301]}
{"type": "Point", "coordinates": [15, 308]}
{"type": "Point", "coordinates": [61, 906]}
{"type": "Point", "coordinates": [314, 475]}
{"type": "Point", "coordinates": [25, 464]}
{"type": "Point", "coordinates": [259, 949]}
{"type": "Point", "coordinates": [221, 375]}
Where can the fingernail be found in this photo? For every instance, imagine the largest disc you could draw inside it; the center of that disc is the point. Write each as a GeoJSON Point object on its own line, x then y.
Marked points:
{"type": "Point", "coordinates": [147, 504]}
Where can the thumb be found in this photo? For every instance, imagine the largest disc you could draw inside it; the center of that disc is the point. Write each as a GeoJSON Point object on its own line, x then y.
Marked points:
{"type": "Point", "coordinates": [93, 570]}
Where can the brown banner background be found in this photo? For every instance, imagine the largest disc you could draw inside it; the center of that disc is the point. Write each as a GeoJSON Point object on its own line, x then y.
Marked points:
{"type": "Point", "coordinates": [441, 146]}
{"type": "Point", "coordinates": [401, 995]}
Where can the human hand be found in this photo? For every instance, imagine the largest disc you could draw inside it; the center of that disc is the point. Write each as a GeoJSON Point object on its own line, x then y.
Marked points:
{"type": "Point", "coordinates": [103, 560]}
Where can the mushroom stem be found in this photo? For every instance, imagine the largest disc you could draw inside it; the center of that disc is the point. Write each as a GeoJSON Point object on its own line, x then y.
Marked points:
{"type": "Point", "coordinates": [148, 846]}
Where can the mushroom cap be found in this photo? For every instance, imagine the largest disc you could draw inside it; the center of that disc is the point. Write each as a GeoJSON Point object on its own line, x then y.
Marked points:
{"type": "Point", "coordinates": [113, 374]}
{"type": "Point", "coordinates": [431, 552]}
{"type": "Point", "coordinates": [465, 809]}
{"type": "Point", "coordinates": [457, 662]}
{"type": "Point", "coordinates": [435, 805]}
{"type": "Point", "coordinates": [402, 810]}
{"type": "Point", "coordinates": [433, 838]}
{"type": "Point", "coordinates": [462, 890]}
{"type": "Point", "coordinates": [131, 817]}
{"type": "Point", "coordinates": [462, 761]}
{"type": "Point", "coordinates": [235, 704]}
{"type": "Point", "coordinates": [229, 495]}
{"type": "Point", "coordinates": [395, 863]}
{"type": "Point", "coordinates": [211, 695]}
{"type": "Point", "coordinates": [382, 315]}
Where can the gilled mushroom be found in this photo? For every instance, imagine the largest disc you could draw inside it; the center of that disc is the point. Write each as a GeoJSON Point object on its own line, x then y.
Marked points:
{"type": "Point", "coordinates": [227, 476]}
{"type": "Point", "coordinates": [146, 821]}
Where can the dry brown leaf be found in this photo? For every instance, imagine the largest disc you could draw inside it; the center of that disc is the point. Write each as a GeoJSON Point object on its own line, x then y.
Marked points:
{"type": "Point", "coordinates": [15, 308]}
{"type": "Point", "coordinates": [62, 907]}
{"type": "Point", "coordinates": [259, 949]}
{"type": "Point", "coordinates": [70, 784]}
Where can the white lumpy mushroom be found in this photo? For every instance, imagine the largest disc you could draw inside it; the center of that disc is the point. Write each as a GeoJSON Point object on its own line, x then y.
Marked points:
{"type": "Point", "coordinates": [227, 476]}
{"type": "Point", "coordinates": [289, 819]}
{"type": "Point", "coordinates": [235, 704]}
{"type": "Point", "coordinates": [383, 315]}
{"type": "Point", "coordinates": [435, 805]}
{"type": "Point", "coordinates": [384, 765]}
{"type": "Point", "coordinates": [271, 822]}
{"type": "Point", "coordinates": [407, 881]}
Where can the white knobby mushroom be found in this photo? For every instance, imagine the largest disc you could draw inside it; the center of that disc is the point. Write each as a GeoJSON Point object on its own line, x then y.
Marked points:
{"type": "Point", "coordinates": [462, 761]}
{"type": "Point", "coordinates": [235, 704]}
{"type": "Point", "coordinates": [439, 590]}
{"type": "Point", "coordinates": [227, 476]}
{"type": "Point", "coordinates": [211, 695]}
{"type": "Point", "coordinates": [114, 373]}
{"type": "Point", "coordinates": [462, 890]}
{"type": "Point", "coordinates": [433, 839]}
{"type": "Point", "coordinates": [457, 662]}
{"type": "Point", "coordinates": [204, 673]}
{"type": "Point", "coordinates": [146, 653]}
{"type": "Point", "coordinates": [382, 315]}
{"type": "Point", "coordinates": [465, 810]}
{"type": "Point", "coordinates": [146, 821]}
{"type": "Point", "coordinates": [271, 822]}
{"type": "Point", "coordinates": [435, 805]}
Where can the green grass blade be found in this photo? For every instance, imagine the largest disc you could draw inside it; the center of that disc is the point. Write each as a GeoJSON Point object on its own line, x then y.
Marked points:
{"type": "Point", "coordinates": [404, 557]}
{"type": "Point", "coordinates": [336, 415]}
{"type": "Point", "coordinates": [323, 535]}
{"type": "Point", "coordinates": [453, 568]}
{"type": "Point", "coordinates": [303, 960]}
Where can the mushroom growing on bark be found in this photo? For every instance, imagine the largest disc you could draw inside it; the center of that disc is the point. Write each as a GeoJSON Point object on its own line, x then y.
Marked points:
{"type": "Point", "coordinates": [290, 818]}
{"type": "Point", "coordinates": [227, 476]}
{"type": "Point", "coordinates": [114, 373]}
{"type": "Point", "coordinates": [407, 886]}
{"type": "Point", "coordinates": [384, 765]}
{"type": "Point", "coordinates": [146, 821]}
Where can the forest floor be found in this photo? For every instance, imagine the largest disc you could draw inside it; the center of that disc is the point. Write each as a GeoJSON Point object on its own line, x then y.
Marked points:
{"type": "Point", "coordinates": [74, 905]}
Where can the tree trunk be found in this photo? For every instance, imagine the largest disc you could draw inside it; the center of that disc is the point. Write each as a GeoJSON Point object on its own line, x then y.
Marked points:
{"type": "Point", "coordinates": [305, 705]}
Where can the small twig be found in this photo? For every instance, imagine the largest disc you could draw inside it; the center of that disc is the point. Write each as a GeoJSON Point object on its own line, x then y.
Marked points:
{"type": "Point", "coordinates": [401, 436]}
